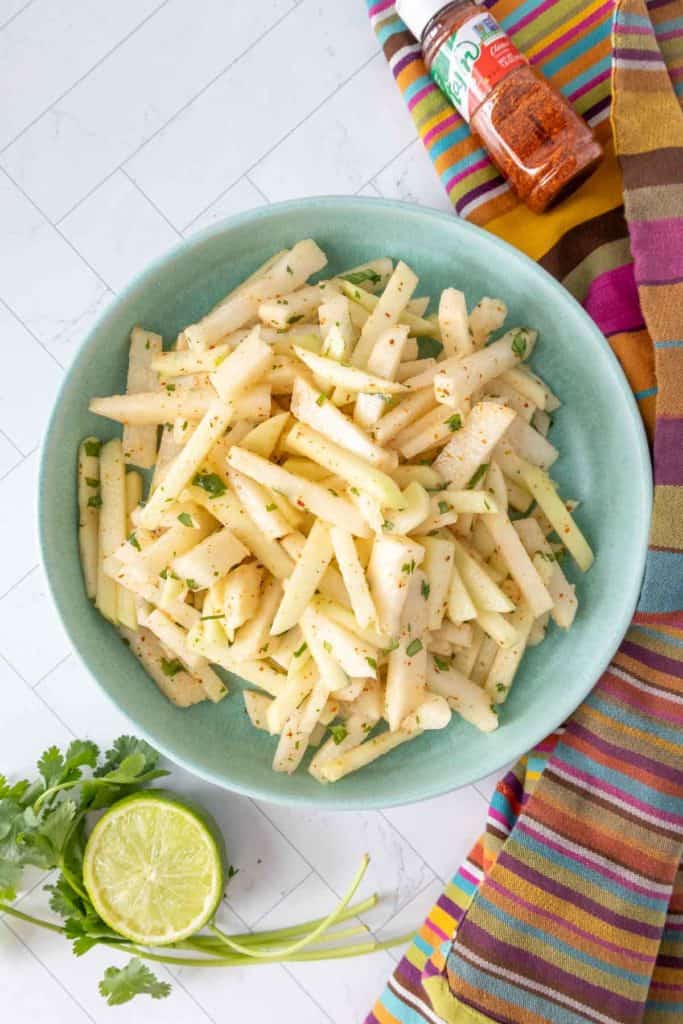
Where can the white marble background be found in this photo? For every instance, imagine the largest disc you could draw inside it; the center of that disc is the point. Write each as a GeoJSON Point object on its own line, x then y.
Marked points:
{"type": "Point", "coordinates": [123, 127]}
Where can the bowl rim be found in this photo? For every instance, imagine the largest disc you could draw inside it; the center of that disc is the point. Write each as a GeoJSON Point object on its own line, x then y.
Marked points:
{"type": "Point", "coordinates": [442, 784]}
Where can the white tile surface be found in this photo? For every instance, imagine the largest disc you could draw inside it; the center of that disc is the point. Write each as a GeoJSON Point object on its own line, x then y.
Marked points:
{"type": "Point", "coordinates": [132, 123]}
{"type": "Point", "coordinates": [30, 602]}
{"type": "Point", "coordinates": [118, 230]}
{"type": "Point", "coordinates": [183, 169]}
{"type": "Point", "coordinates": [35, 372]}
{"type": "Point", "coordinates": [64, 48]}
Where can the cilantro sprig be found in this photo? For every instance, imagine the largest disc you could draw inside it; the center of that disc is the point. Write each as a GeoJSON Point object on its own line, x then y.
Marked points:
{"type": "Point", "coordinates": [44, 823]}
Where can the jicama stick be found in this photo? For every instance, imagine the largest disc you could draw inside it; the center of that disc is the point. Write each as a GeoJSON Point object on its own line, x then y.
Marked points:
{"type": "Point", "coordinates": [89, 501]}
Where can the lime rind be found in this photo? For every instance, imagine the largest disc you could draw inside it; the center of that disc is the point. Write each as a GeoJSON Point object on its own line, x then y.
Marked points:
{"type": "Point", "coordinates": [153, 869]}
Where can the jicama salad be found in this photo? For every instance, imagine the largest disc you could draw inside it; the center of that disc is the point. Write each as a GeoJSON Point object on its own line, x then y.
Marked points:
{"type": "Point", "coordinates": [348, 506]}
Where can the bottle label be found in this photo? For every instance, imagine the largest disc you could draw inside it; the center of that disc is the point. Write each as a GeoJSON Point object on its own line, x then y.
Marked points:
{"type": "Point", "coordinates": [472, 61]}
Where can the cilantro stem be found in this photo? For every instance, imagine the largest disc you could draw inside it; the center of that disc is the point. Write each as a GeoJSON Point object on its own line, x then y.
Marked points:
{"type": "Point", "coordinates": [5, 908]}
{"type": "Point", "coordinates": [279, 934]}
{"type": "Point", "coordinates": [322, 927]}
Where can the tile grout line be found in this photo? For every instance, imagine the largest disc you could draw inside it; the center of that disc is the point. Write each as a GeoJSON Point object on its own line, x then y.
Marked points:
{"type": "Point", "coordinates": [56, 228]}
{"type": "Point", "coordinates": [54, 668]}
{"type": "Point", "coordinates": [21, 579]}
{"type": "Point", "coordinates": [138, 188]}
{"type": "Point", "coordinates": [408, 843]}
{"type": "Point", "coordinates": [9, 439]}
{"type": "Point", "coordinates": [372, 180]}
{"type": "Point", "coordinates": [180, 110]}
{"type": "Point", "coordinates": [279, 900]}
{"type": "Point", "coordinates": [54, 977]}
{"type": "Point", "coordinates": [16, 14]}
{"type": "Point", "coordinates": [26, 327]}
{"type": "Point", "coordinates": [254, 185]}
{"type": "Point", "coordinates": [54, 102]}
{"type": "Point", "coordinates": [283, 138]}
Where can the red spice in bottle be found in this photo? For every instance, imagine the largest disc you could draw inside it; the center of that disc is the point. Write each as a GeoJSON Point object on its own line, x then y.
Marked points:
{"type": "Point", "coordinates": [534, 137]}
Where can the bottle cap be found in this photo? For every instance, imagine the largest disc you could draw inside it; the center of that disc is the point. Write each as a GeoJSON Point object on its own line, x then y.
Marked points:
{"type": "Point", "coordinates": [418, 13]}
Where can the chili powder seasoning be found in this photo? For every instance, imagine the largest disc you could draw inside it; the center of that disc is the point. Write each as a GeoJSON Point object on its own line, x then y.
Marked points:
{"type": "Point", "coordinates": [534, 137]}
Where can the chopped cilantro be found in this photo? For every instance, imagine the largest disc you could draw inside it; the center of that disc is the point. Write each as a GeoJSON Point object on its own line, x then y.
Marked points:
{"type": "Point", "coordinates": [354, 490]}
{"type": "Point", "coordinates": [271, 507]}
{"type": "Point", "coordinates": [454, 422]}
{"type": "Point", "coordinates": [192, 584]}
{"type": "Point", "coordinates": [519, 344]}
{"type": "Point", "coordinates": [328, 646]}
{"type": "Point", "coordinates": [413, 648]}
{"type": "Point", "coordinates": [295, 318]}
{"type": "Point", "coordinates": [501, 687]}
{"type": "Point", "coordinates": [358, 276]}
{"type": "Point", "coordinates": [304, 646]}
{"type": "Point", "coordinates": [387, 525]}
{"type": "Point", "coordinates": [92, 482]}
{"type": "Point", "coordinates": [393, 646]}
{"type": "Point", "coordinates": [95, 501]}
{"type": "Point", "coordinates": [428, 348]}
{"type": "Point", "coordinates": [442, 664]}
{"type": "Point", "coordinates": [408, 567]}
{"type": "Point", "coordinates": [444, 507]}
{"type": "Point", "coordinates": [170, 388]}
{"type": "Point", "coordinates": [320, 399]}
{"type": "Point", "coordinates": [339, 732]}
{"type": "Point", "coordinates": [372, 663]}
{"type": "Point", "coordinates": [477, 475]}
{"type": "Point", "coordinates": [132, 539]}
{"type": "Point", "coordinates": [289, 269]}
{"type": "Point", "coordinates": [170, 668]}
{"type": "Point", "coordinates": [92, 447]}
{"type": "Point", "coordinates": [425, 589]}
{"type": "Point", "coordinates": [210, 618]}
{"type": "Point", "coordinates": [186, 519]}
{"type": "Point", "coordinates": [211, 483]}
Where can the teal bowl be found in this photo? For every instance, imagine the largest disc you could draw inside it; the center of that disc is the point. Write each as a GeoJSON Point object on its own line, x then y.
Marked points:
{"type": "Point", "coordinates": [604, 463]}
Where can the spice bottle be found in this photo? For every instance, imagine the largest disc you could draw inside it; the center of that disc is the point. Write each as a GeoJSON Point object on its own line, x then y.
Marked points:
{"type": "Point", "coordinates": [534, 137]}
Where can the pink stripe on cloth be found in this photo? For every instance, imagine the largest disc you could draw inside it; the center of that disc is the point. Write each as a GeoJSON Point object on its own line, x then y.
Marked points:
{"type": "Point", "coordinates": [425, 91]}
{"type": "Point", "coordinates": [574, 31]}
{"type": "Point", "coordinates": [599, 785]}
{"type": "Point", "coordinates": [537, 11]}
{"type": "Point", "coordinates": [612, 301]}
{"type": "Point", "coordinates": [636, 30]}
{"type": "Point", "coordinates": [383, 5]}
{"type": "Point", "coordinates": [590, 85]}
{"type": "Point", "coordinates": [468, 170]}
{"type": "Point", "coordinates": [657, 248]}
{"type": "Point", "coordinates": [441, 127]}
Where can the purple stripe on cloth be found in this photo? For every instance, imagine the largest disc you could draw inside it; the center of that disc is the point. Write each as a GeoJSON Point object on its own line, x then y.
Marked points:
{"type": "Point", "coordinates": [410, 972]}
{"type": "Point", "coordinates": [568, 925]}
{"type": "Point", "coordinates": [527, 964]}
{"type": "Point", "coordinates": [614, 687]}
{"type": "Point", "coordinates": [399, 65]}
{"type": "Point", "coordinates": [575, 30]}
{"type": "Point", "coordinates": [597, 108]}
{"type": "Point", "coordinates": [664, 771]}
{"type": "Point", "coordinates": [612, 301]}
{"type": "Point", "coordinates": [624, 53]}
{"type": "Point", "coordinates": [449, 906]}
{"type": "Point", "coordinates": [657, 248]}
{"type": "Point", "coordinates": [573, 897]}
{"type": "Point", "coordinates": [480, 190]}
{"type": "Point", "coordinates": [660, 662]}
{"type": "Point", "coordinates": [603, 76]}
{"type": "Point", "coordinates": [617, 793]}
{"type": "Point", "coordinates": [675, 33]}
{"type": "Point", "coordinates": [669, 451]}
{"type": "Point", "coordinates": [588, 862]}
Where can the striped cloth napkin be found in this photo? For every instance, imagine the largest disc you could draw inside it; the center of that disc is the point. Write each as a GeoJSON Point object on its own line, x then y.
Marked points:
{"type": "Point", "coordinates": [570, 908]}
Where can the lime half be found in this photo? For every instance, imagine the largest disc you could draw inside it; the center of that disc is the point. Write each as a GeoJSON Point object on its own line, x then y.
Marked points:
{"type": "Point", "coordinates": [153, 868]}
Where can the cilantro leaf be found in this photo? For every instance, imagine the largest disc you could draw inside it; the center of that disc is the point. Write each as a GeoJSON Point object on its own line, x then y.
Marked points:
{"type": "Point", "coordinates": [339, 732]}
{"type": "Point", "coordinates": [211, 483]}
{"type": "Point", "coordinates": [92, 447]}
{"type": "Point", "coordinates": [519, 344]}
{"type": "Point", "coordinates": [428, 348]}
{"type": "Point", "coordinates": [413, 648]}
{"type": "Point", "coordinates": [372, 663]}
{"type": "Point", "coordinates": [425, 589]}
{"type": "Point", "coordinates": [454, 422]}
{"type": "Point", "coordinates": [122, 748]}
{"type": "Point", "coordinates": [358, 276]}
{"type": "Point", "coordinates": [171, 668]}
{"type": "Point", "coordinates": [476, 476]}
{"type": "Point", "coordinates": [120, 985]}
{"type": "Point", "coordinates": [442, 664]}
{"type": "Point", "coordinates": [186, 519]}
{"type": "Point", "coordinates": [10, 879]}
{"type": "Point", "coordinates": [51, 766]}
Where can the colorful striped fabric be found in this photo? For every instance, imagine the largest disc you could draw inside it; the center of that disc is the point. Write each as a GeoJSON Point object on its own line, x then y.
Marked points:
{"type": "Point", "coordinates": [570, 908]}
